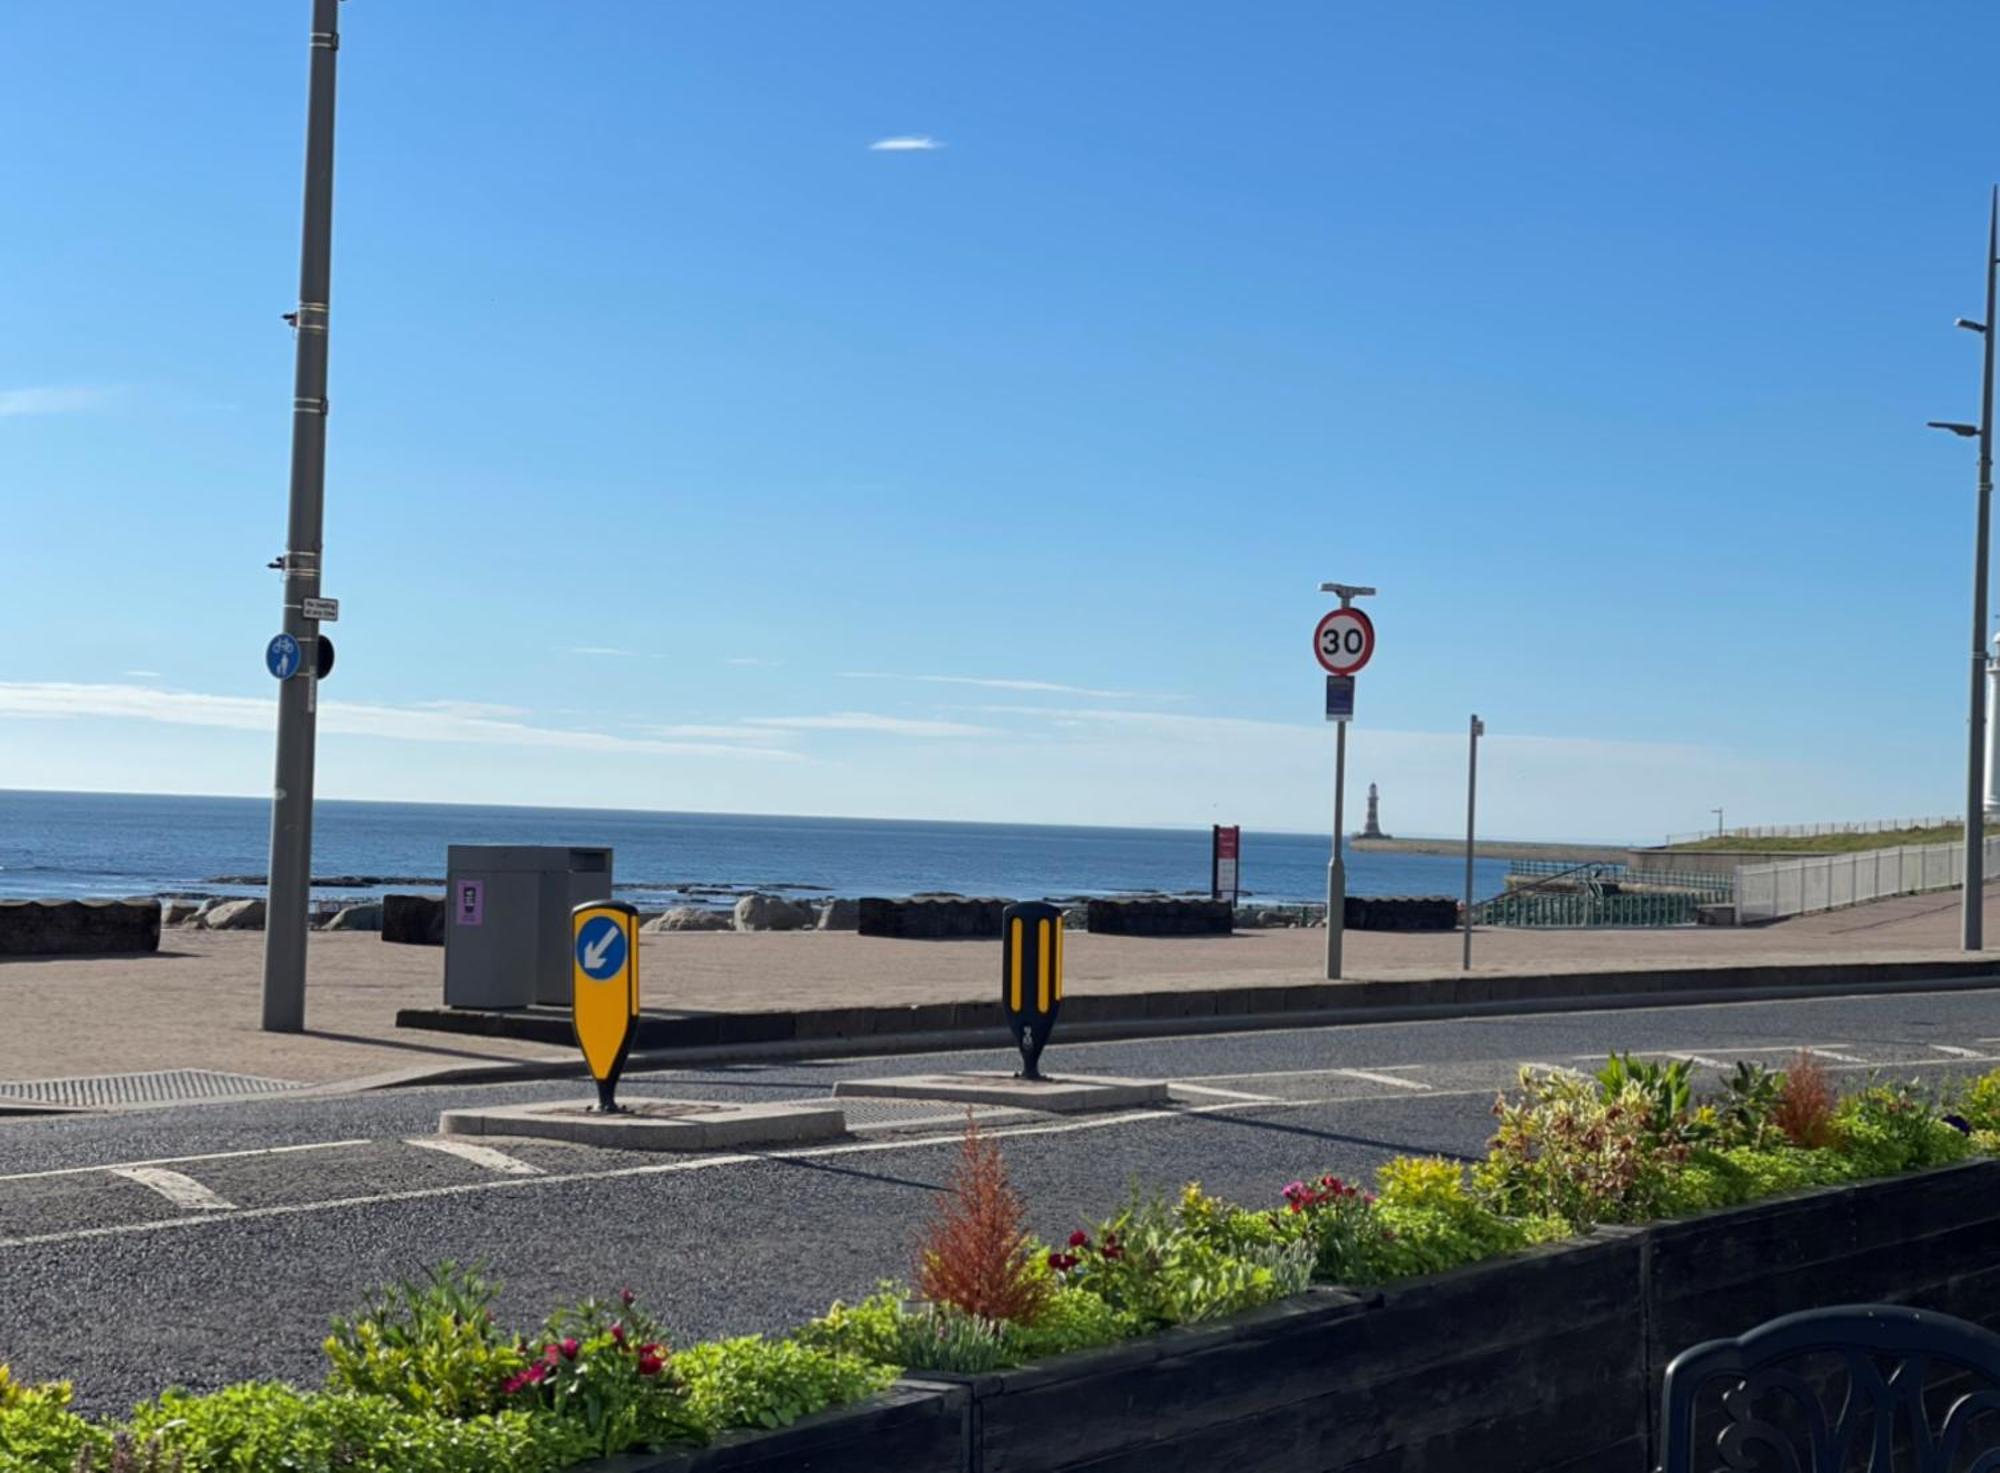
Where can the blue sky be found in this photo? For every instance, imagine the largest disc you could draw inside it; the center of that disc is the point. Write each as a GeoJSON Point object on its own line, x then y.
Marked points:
{"type": "Point", "coordinates": [689, 452]}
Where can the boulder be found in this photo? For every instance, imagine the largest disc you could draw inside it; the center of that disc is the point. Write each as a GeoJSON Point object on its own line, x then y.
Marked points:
{"type": "Point", "coordinates": [178, 912]}
{"type": "Point", "coordinates": [1161, 916]}
{"type": "Point", "coordinates": [413, 920]}
{"type": "Point", "coordinates": [78, 927]}
{"type": "Point", "coordinates": [773, 913]}
{"type": "Point", "coordinates": [840, 914]}
{"type": "Point", "coordinates": [364, 917]}
{"type": "Point", "coordinates": [932, 918]}
{"type": "Point", "coordinates": [234, 915]}
{"type": "Point", "coordinates": [689, 918]}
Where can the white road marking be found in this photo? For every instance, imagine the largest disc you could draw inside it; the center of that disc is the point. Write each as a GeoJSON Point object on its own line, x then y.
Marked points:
{"type": "Point", "coordinates": [1373, 1078]}
{"type": "Point", "coordinates": [1287, 1073]}
{"type": "Point", "coordinates": [183, 1191]}
{"type": "Point", "coordinates": [478, 1155]}
{"type": "Point", "coordinates": [1226, 1094]}
{"type": "Point", "coordinates": [183, 1160]}
{"type": "Point", "coordinates": [1833, 1054]}
{"type": "Point", "coordinates": [1957, 1052]}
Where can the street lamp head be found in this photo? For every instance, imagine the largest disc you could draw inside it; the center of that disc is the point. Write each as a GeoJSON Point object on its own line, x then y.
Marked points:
{"type": "Point", "coordinates": [1963, 431]}
{"type": "Point", "coordinates": [1968, 324]}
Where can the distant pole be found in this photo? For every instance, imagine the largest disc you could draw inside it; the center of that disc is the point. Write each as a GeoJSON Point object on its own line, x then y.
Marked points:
{"type": "Point", "coordinates": [1975, 797]}
{"type": "Point", "coordinates": [1718, 821]}
{"type": "Point", "coordinates": [285, 918]}
{"type": "Point", "coordinates": [1471, 808]}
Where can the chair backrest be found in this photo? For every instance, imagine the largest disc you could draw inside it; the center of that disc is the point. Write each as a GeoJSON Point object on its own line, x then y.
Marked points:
{"type": "Point", "coordinates": [1863, 1393]}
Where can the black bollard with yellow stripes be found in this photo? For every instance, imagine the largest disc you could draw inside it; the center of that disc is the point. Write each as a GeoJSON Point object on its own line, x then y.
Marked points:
{"type": "Point", "coordinates": [1031, 971]}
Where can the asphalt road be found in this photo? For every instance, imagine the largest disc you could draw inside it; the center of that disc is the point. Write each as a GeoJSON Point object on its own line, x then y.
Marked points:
{"type": "Point", "coordinates": [205, 1243]}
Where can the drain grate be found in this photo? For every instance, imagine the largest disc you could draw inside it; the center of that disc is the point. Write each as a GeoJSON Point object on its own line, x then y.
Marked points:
{"type": "Point", "coordinates": [167, 1087]}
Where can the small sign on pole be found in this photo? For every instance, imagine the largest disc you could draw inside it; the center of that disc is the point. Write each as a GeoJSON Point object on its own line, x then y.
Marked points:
{"type": "Point", "coordinates": [1225, 849]}
{"type": "Point", "coordinates": [1340, 698]}
{"type": "Point", "coordinates": [326, 610]}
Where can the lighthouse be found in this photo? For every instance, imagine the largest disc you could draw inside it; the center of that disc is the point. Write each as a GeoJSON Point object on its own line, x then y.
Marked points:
{"type": "Point", "coordinates": [1373, 828]}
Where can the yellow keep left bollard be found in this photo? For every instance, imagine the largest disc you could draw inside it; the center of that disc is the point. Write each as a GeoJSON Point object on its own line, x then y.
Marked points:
{"type": "Point", "coordinates": [604, 992]}
{"type": "Point", "coordinates": [1031, 985]}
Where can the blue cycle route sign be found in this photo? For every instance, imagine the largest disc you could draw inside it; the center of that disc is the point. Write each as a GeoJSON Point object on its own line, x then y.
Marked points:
{"type": "Point", "coordinates": [281, 657]}
{"type": "Point", "coordinates": [600, 948]}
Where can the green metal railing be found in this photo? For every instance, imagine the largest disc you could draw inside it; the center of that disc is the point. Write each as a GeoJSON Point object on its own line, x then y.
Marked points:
{"type": "Point", "coordinates": [1590, 876]}
{"type": "Point", "coordinates": [1555, 909]}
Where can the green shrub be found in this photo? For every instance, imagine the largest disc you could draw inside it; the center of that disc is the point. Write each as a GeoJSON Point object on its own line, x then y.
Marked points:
{"type": "Point", "coordinates": [1074, 1319]}
{"type": "Point", "coordinates": [38, 1431]}
{"type": "Point", "coordinates": [1979, 1103]}
{"type": "Point", "coordinates": [1747, 1112]}
{"type": "Point", "coordinates": [1432, 1222]}
{"type": "Point", "coordinates": [871, 1329]}
{"type": "Point", "coordinates": [430, 1345]}
{"type": "Point", "coordinates": [754, 1382]}
{"type": "Point", "coordinates": [604, 1370]}
{"type": "Point", "coordinates": [258, 1427]}
{"type": "Point", "coordinates": [1157, 1266]}
{"type": "Point", "coordinates": [1569, 1149]}
{"type": "Point", "coordinates": [1892, 1128]}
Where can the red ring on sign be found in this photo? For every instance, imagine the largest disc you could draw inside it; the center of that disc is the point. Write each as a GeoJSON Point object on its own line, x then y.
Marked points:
{"type": "Point", "coordinates": [1367, 648]}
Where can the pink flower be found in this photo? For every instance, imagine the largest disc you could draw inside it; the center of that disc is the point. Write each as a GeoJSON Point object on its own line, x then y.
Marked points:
{"type": "Point", "coordinates": [570, 1348]}
{"type": "Point", "coordinates": [551, 1354]}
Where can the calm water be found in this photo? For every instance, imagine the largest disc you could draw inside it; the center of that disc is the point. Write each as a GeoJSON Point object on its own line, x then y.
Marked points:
{"type": "Point", "coordinates": [81, 844]}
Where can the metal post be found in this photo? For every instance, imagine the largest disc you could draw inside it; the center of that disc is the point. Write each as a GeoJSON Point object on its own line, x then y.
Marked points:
{"type": "Point", "coordinates": [1975, 805]}
{"type": "Point", "coordinates": [285, 917]}
{"type": "Point", "coordinates": [1336, 871]}
{"type": "Point", "coordinates": [1478, 729]}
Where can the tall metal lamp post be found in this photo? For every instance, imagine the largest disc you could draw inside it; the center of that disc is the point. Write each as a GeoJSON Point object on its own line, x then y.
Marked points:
{"type": "Point", "coordinates": [1975, 797]}
{"type": "Point", "coordinates": [292, 795]}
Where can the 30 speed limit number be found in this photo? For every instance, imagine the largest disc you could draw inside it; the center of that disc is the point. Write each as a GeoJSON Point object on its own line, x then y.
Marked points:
{"type": "Point", "coordinates": [1344, 641]}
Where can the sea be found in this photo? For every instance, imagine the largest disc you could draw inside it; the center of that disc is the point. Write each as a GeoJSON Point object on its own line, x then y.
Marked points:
{"type": "Point", "coordinates": [64, 845]}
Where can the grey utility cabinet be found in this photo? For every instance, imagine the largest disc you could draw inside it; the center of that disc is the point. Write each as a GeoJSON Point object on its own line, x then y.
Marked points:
{"type": "Point", "coordinates": [506, 929]}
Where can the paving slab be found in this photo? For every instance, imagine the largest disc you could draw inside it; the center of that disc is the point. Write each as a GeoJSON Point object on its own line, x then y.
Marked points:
{"type": "Point", "coordinates": [654, 1124]}
{"type": "Point", "coordinates": [1059, 1094]}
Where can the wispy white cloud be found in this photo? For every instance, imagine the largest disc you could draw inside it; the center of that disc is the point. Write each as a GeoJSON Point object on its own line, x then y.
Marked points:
{"type": "Point", "coordinates": [57, 700]}
{"type": "Point", "coordinates": [868, 721]}
{"type": "Point", "coordinates": [605, 649]}
{"type": "Point", "coordinates": [51, 399]}
{"type": "Point", "coordinates": [474, 709]}
{"type": "Point", "coordinates": [144, 674]}
{"type": "Point", "coordinates": [1000, 683]}
{"type": "Point", "coordinates": [721, 732]}
{"type": "Point", "coordinates": [906, 143]}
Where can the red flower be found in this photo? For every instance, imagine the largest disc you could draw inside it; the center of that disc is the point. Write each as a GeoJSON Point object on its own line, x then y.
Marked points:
{"type": "Point", "coordinates": [618, 1334]}
{"type": "Point", "coordinates": [1079, 1239]}
{"type": "Point", "coordinates": [652, 1360]}
{"type": "Point", "coordinates": [570, 1348]}
{"type": "Point", "coordinates": [1063, 1262]}
{"type": "Point", "coordinates": [625, 1297]}
{"type": "Point", "coordinates": [551, 1354]}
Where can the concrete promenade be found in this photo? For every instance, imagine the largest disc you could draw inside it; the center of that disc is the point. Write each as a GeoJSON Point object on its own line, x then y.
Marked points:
{"type": "Point", "coordinates": [195, 1004]}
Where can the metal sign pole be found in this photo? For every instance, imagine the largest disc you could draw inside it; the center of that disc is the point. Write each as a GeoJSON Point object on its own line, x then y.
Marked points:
{"type": "Point", "coordinates": [285, 918]}
{"type": "Point", "coordinates": [1471, 801]}
{"type": "Point", "coordinates": [1974, 919]}
{"type": "Point", "coordinates": [1336, 870]}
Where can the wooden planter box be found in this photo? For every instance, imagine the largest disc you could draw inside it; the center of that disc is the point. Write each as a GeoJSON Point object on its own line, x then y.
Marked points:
{"type": "Point", "coordinates": [1547, 1361]}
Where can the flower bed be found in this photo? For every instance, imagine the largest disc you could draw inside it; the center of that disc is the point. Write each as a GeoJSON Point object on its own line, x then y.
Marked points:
{"type": "Point", "coordinates": [1201, 1315]}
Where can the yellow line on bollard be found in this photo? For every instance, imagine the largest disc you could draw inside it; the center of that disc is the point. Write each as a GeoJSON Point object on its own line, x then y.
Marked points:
{"type": "Point", "coordinates": [1014, 959]}
{"type": "Point", "coordinates": [1042, 966]}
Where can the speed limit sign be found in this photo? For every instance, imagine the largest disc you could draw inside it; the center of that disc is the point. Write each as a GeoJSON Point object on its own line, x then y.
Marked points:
{"type": "Point", "coordinates": [1344, 641]}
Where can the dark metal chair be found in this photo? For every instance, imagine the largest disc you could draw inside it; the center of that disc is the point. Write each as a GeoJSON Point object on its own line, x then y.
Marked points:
{"type": "Point", "coordinates": [1877, 1361]}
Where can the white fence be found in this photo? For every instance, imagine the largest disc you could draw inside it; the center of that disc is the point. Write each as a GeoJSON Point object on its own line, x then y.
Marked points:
{"type": "Point", "coordinates": [1764, 892]}
{"type": "Point", "coordinates": [1815, 830]}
